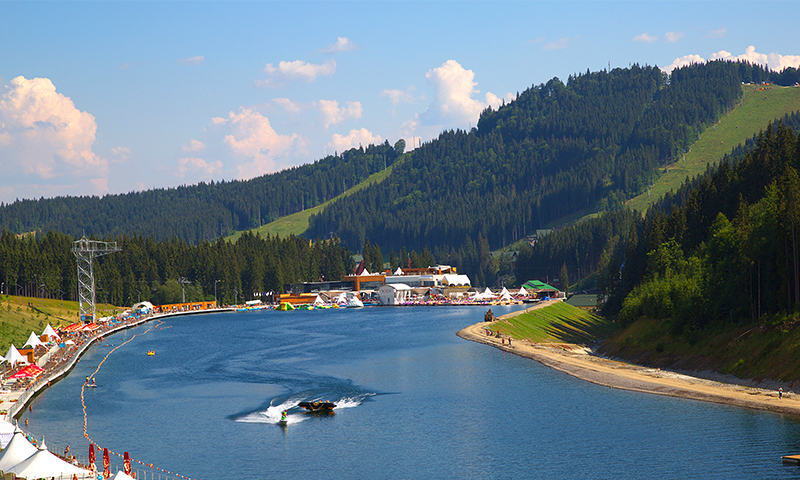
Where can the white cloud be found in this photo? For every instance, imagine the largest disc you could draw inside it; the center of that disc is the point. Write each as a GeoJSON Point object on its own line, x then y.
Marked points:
{"type": "Point", "coordinates": [194, 146]}
{"type": "Point", "coordinates": [121, 154]}
{"type": "Point", "coordinates": [354, 139]}
{"type": "Point", "coordinates": [251, 137]}
{"type": "Point", "coordinates": [343, 44]}
{"type": "Point", "coordinates": [46, 142]}
{"type": "Point", "coordinates": [287, 105]}
{"type": "Point", "coordinates": [192, 60]}
{"type": "Point", "coordinates": [718, 33]}
{"type": "Point", "coordinates": [399, 96]}
{"type": "Point", "coordinates": [645, 37]}
{"type": "Point", "coordinates": [453, 90]}
{"type": "Point", "coordinates": [197, 169]}
{"type": "Point", "coordinates": [774, 61]}
{"type": "Point", "coordinates": [557, 45]}
{"type": "Point", "coordinates": [672, 37]}
{"type": "Point", "coordinates": [297, 70]}
{"type": "Point", "coordinates": [332, 114]}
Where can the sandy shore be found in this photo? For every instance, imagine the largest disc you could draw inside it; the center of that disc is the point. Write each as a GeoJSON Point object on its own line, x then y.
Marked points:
{"type": "Point", "coordinates": [580, 362]}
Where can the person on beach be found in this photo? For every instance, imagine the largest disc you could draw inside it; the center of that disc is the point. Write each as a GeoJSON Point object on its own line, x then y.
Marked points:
{"type": "Point", "coordinates": [780, 392]}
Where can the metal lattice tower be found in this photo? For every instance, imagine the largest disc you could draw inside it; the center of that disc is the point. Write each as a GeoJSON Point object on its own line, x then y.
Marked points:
{"type": "Point", "coordinates": [85, 250]}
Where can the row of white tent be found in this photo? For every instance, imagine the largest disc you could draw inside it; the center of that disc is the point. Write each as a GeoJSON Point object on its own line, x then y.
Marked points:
{"type": "Point", "coordinates": [504, 295]}
{"type": "Point", "coordinates": [13, 356]}
{"type": "Point", "coordinates": [20, 458]}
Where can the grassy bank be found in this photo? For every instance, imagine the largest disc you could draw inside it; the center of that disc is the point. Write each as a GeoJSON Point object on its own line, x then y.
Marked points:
{"type": "Point", "coordinates": [766, 350]}
{"type": "Point", "coordinates": [19, 316]}
{"type": "Point", "coordinates": [558, 322]}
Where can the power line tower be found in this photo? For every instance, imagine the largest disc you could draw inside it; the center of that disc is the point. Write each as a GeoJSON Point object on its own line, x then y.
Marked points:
{"type": "Point", "coordinates": [86, 250]}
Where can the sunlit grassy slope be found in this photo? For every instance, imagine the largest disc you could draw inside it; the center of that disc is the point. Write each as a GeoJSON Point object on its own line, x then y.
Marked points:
{"type": "Point", "coordinates": [559, 322]}
{"type": "Point", "coordinates": [756, 110]}
{"type": "Point", "coordinates": [297, 223]}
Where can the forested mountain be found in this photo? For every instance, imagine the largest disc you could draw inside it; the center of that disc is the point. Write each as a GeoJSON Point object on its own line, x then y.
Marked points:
{"type": "Point", "coordinates": [205, 211]}
{"type": "Point", "coordinates": [44, 266]}
{"type": "Point", "coordinates": [556, 150]}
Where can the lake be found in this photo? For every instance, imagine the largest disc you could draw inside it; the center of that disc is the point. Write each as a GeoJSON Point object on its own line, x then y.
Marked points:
{"type": "Point", "coordinates": [413, 401]}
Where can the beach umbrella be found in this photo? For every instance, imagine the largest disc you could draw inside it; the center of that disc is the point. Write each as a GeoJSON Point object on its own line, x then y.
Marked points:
{"type": "Point", "coordinates": [28, 372]}
{"type": "Point", "coordinates": [91, 454]}
{"type": "Point", "coordinates": [126, 464]}
{"type": "Point", "coordinates": [106, 464]}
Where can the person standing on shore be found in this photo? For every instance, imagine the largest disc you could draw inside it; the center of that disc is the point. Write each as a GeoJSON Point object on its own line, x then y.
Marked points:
{"type": "Point", "coordinates": [780, 392]}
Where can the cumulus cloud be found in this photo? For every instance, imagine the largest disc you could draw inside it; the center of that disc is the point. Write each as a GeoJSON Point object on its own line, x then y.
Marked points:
{"type": "Point", "coordinates": [354, 139]}
{"type": "Point", "coordinates": [287, 105]}
{"type": "Point", "coordinates": [774, 61]}
{"type": "Point", "coordinates": [296, 71]}
{"type": "Point", "coordinates": [197, 169]}
{"type": "Point", "coordinates": [343, 44]}
{"type": "Point", "coordinates": [399, 96]}
{"type": "Point", "coordinates": [332, 114]}
{"type": "Point", "coordinates": [672, 37]}
{"type": "Point", "coordinates": [645, 37]}
{"type": "Point", "coordinates": [251, 137]}
{"type": "Point", "coordinates": [192, 60]}
{"type": "Point", "coordinates": [452, 102]}
{"type": "Point", "coordinates": [193, 146]}
{"type": "Point", "coordinates": [46, 140]}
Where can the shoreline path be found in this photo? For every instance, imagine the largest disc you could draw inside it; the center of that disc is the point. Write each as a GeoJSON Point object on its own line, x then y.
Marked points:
{"type": "Point", "coordinates": [582, 363]}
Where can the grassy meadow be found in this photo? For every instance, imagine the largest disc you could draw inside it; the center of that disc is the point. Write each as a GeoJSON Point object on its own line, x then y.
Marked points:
{"type": "Point", "coordinates": [21, 315]}
{"type": "Point", "coordinates": [757, 109]}
{"type": "Point", "coordinates": [558, 323]}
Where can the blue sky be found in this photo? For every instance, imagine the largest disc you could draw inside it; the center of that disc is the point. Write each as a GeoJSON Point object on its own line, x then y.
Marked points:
{"type": "Point", "coordinates": [109, 97]}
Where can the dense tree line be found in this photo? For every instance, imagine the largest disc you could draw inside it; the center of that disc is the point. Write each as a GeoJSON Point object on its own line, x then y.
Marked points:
{"type": "Point", "coordinates": [728, 254]}
{"type": "Point", "coordinates": [44, 266]}
{"type": "Point", "coordinates": [204, 211]}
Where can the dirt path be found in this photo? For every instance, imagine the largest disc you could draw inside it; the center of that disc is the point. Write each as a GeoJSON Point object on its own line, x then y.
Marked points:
{"type": "Point", "coordinates": [580, 362]}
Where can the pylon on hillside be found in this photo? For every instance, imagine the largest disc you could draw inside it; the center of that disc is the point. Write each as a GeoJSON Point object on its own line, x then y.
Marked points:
{"type": "Point", "coordinates": [86, 250]}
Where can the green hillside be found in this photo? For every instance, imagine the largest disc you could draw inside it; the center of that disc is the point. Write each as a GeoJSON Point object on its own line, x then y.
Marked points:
{"type": "Point", "coordinates": [558, 322]}
{"type": "Point", "coordinates": [758, 108]}
{"type": "Point", "coordinates": [297, 223]}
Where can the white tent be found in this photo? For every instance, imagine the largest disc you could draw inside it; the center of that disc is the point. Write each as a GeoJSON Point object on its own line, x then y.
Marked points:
{"type": "Point", "coordinates": [318, 301]}
{"type": "Point", "coordinates": [120, 475]}
{"type": "Point", "coordinates": [522, 292]}
{"type": "Point", "coordinates": [365, 273]}
{"type": "Point", "coordinates": [6, 432]}
{"type": "Point", "coordinates": [505, 295]}
{"type": "Point", "coordinates": [17, 450]}
{"type": "Point", "coordinates": [33, 341]}
{"type": "Point", "coordinates": [13, 356]}
{"type": "Point", "coordinates": [341, 299]}
{"type": "Point", "coordinates": [398, 271]}
{"type": "Point", "coordinates": [44, 464]}
{"type": "Point", "coordinates": [52, 334]}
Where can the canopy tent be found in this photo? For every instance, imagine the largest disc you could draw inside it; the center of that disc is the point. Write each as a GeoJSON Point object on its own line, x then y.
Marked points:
{"type": "Point", "coordinates": [6, 432]}
{"type": "Point", "coordinates": [522, 292]}
{"type": "Point", "coordinates": [48, 330]}
{"type": "Point", "coordinates": [365, 273]}
{"type": "Point", "coordinates": [456, 280]}
{"type": "Point", "coordinates": [33, 341]}
{"type": "Point", "coordinates": [120, 475]}
{"type": "Point", "coordinates": [13, 356]}
{"type": "Point", "coordinates": [44, 464]}
{"type": "Point", "coordinates": [17, 450]}
{"type": "Point", "coordinates": [505, 294]}
{"type": "Point", "coordinates": [341, 299]}
{"type": "Point", "coordinates": [398, 272]}
{"type": "Point", "coordinates": [73, 328]}
{"type": "Point", "coordinates": [30, 371]}
{"type": "Point", "coordinates": [318, 301]}
{"type": "Point", "coordinates": [91, 327]}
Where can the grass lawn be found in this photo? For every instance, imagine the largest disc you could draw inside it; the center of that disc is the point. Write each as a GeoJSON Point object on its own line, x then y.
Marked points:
{"type": "Point", "coordinates": [19, 316]}
{"type": "Point", "coordinates": [558, 322]}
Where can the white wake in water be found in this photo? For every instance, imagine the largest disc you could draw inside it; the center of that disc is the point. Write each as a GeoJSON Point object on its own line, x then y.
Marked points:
{"type": "Point", "coordinates": [273, 415]}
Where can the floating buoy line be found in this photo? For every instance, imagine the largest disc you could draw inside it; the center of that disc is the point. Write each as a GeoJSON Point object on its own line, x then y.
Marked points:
{"type": "Point", "coordinates": [85, 416]}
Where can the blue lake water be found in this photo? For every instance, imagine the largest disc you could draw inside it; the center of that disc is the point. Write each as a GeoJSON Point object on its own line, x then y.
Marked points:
{"type": "Point", "coordinates": [414, 401]}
